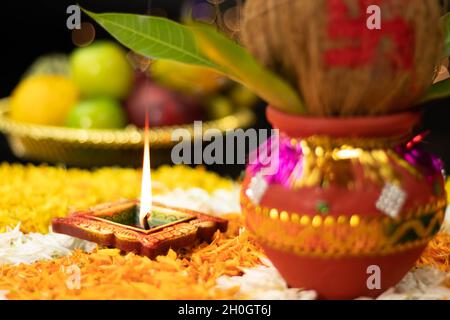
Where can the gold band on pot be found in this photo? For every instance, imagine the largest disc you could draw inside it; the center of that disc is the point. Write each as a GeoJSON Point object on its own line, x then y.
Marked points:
{"type": "Point", "coordinates": [343, 235]}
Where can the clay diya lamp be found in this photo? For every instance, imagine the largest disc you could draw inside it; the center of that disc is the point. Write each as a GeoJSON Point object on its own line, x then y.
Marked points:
{"type": "Point", "coordinates": [117, 225]}
{"type": "Point", "coordinates": [351, 197]}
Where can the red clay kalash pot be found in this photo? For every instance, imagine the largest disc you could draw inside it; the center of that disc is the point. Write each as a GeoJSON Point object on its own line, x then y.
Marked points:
{"type": "Point", "coordinates": [350, 197]}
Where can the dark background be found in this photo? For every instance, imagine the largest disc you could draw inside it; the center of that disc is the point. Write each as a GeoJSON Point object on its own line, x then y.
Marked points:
{"type": "Point", "coordinates": [29, 29]}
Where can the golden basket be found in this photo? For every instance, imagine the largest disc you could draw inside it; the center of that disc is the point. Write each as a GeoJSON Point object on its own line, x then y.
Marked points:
{"type": "Point", "coordinates": [93, 148]}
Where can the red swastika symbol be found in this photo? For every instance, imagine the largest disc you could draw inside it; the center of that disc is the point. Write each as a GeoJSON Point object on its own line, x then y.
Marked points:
{"type": "Point", "coordinates": [363, 50]}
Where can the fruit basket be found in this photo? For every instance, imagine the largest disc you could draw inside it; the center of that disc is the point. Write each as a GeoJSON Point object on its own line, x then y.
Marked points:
{"type": "Point", "coordinates": [91, 148]}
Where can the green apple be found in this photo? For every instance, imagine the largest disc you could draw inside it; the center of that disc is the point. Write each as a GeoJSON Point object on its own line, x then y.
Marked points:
{"type": "Point", "coordinates": [101, 69]}
{"type": "Point", "coordinates": [97, 113]}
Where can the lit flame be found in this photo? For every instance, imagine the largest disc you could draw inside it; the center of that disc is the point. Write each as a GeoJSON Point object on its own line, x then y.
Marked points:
{"type": "Point", "coordinates": [146, 186]}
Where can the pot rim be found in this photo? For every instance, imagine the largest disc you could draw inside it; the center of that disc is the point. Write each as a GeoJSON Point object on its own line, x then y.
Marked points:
{"type": "Point", "coordinates": [397, 124]}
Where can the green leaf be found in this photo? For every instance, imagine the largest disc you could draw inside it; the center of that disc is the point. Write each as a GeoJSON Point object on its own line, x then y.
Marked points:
{"type": "Point", "coordinates": [199, 45]}
{"type": "Point", "coordinates": [445, 20]}
{"type": "Point", "coordinates": [441, 89]}
{"type": "Point", "coordinates": [242, 67]}
{"type": "Point", "coordinates": [153, 37]}
{"type": "Point", "coordinates": [437, 91]}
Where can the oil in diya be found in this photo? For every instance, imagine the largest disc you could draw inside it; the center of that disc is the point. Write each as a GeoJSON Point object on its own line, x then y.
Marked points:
{"type": "Point", "coordinates": [140, 226]}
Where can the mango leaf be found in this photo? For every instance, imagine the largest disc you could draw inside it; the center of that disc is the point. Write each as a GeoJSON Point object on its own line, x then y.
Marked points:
{"type": "Point", "coordinates": [441, 89]}
{"type": "Point", "coordinates": [437, 91]}
{"type": "Point", "coordinates": [153, 37]}
{"type": "Point", "coordinates": [241, 66]}
{"type": "Point", "coordinates": [445, 21]}
{"type": "Point", "coordinates": [199, 45]}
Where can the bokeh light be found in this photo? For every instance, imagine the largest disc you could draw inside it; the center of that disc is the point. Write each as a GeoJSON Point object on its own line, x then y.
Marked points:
{"type": "Point", "coordinates": [84, 36]}
{"type": "Point", "coordinates": [232, 18]}
{"type": "Point", "coordinates": [204, 12]}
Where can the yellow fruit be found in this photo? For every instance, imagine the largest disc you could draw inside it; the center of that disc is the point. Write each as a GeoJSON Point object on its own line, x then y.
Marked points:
{"type": "Point", "coordinates": [186, 78]}
{"type": "Point", "coordinates": [43, 99]}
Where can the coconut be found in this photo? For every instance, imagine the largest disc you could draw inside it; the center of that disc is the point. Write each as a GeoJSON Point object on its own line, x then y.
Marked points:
{"type": "Point", "coordinates": [341, 63]}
